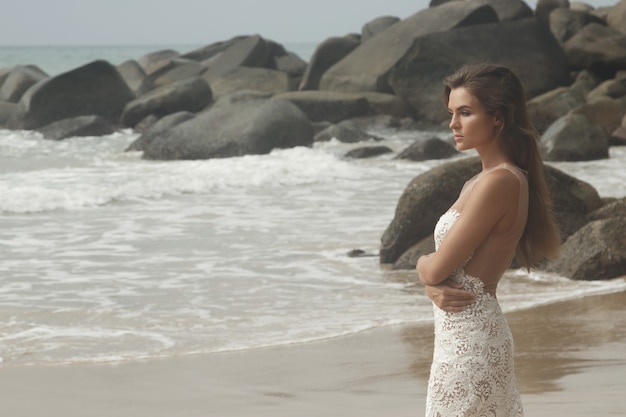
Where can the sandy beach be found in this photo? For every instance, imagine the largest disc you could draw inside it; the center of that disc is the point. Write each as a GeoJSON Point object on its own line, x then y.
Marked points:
{"type": "Point", "coordinates": [570, 359]}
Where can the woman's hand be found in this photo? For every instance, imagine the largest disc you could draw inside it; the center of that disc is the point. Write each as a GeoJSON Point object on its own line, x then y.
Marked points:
{"type": "Point", "coordinates": [450, 296]}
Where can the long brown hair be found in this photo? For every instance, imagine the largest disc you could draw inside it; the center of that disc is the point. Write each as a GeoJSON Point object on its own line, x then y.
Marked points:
{"type": "Point", "coordinates": [500, 92]}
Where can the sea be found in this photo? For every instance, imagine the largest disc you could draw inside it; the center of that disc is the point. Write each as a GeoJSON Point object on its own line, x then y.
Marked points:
{"type": "Point", "coordinates": [109, 258]}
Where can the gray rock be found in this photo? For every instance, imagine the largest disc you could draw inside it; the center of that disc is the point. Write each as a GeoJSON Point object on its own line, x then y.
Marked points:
{"type": "Point", "coordinates": [430, 194]}
{"type": "Point", "coordinates": [574, 138]}
{"type": "Point", "coordinates": [367, 152]}
{"type": "Point", "coordinates": [136, 78]}
{"type": "Point", "coordinates": [20, 79]}
{"type": "Point", "coordinates": [408, 260]}
{"type": "Point", "coordinates": [157, 61]}
{"type": "Point", "coordinates": [603, 111]}
{"type": "Point", "coordinates": [77, 126]}
{"type": "Point", "coordinates": [522, 45]}
{"type": "Point", "coordinates": [565, 23]}
{"type": "Point", "coordinates": [327, 54]}
{"type": "Point", "coordinates": [615, 208]}
{"type": "Point", "coordinates": [250, 51]}
{"type": "Point", "coordinates": [597, 251]}
{"type": "Point", "coordinates": [544, 8]}
{"type": "Point", "coordinates": [234, 128]}
{"type": "Point", "coordinates": [259, 79]}
{"type": "Point", "coordinates": [161, 125]}
{"type": "Point", "coordinates": [376, 26]}
{"type": "Point", "coordinates": [615, 88]}
{"type": "Point", "coordinates": [367, 68]}
{"type": "Point", "coordinates": [617, 138]}
{"type": "Point", "coordinates": [546, 108]}
{"type": "Point", "coordinates": [511, 9]}
{"type": "Point", "coordinates": [432, 148]}
{"type": "Point", "coordinates": [179, 71]}
{"type": "Point", "coordinates": [209, 51]}
{"type": "Point", "coordinates": [6, 111]}
{"type": "Point", "coordinates": [292, 65]}
{"type": "Point", "coordinates": [93, 89]}
{"type": "Point", "coordinates": [190, 95]}
{"type": "Point", "coordinates": [616, 17]}
{"type": "Point", "coordinates": [598, 48]}
{"type": "Point", "coordinates": [328, 106]}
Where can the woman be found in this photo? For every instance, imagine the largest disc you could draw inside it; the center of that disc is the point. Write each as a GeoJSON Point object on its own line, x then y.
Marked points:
{"type": "Point", "coordinates": [502, 212]}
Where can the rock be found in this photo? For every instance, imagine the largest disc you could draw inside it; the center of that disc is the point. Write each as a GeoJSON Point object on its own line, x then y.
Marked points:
{"type": "Point", "coordinates": [408, 260]}
{"type": "Point", "coordinates": [423, 150]}
{"type": "Point", "coordinates": [617, 138]}
{"type": "Point", "coordinates": [423, 201]}
{"type": "Point", "coordinates": [161, 125]}
{"type": "Point", "coordinates": [190, 95]}
{"type": "Point", "coordinates": [6, 111]}
{"type": "Point", "coordinates": [544, 8]}
{"type": "Point", "coordinates": [367, 68]}
{"type": "Point", "coordinates": [4, 73]}
{"type": "Point", "coordinates": [234, 128]}
{"type": "Point", "coordinates": [574, 138]}
{"type": "Point", "coordinates": [615, 88]}
{"type": "Point", "coordinates": [430, 194]}
{"type": "Point", "coordinates": [244, 78]}
{"type": "Point", "coordinates": [616, 208]}
{"type": "Point", "coordinates": [603, 111]}
{"type": "Point", "coordinates": [77, 126]}
{"type": "Point", "coordinates": [511, 9]}
{"type": "Point", "coordinates": [327, 54]}
{"type": "Point", "coordinates": [292, 65]}
{"type": "Point", "coordinates": [157, 61]}
{"type": "Point", "coordinates": [250, 51]}
{"type": "Point", "coordinates": [344, 134]}
{"type": "Point", "coordinates": [597, 251]}
{"type": "Point", "coordinates": [528, 49]}
{"type": "Point", "coordinates": [367, 152]}
{"type": "Point", "coordinates": [546, 108]}
{"type": "Point", "coordinates": [179, 71]}
{"type": "Point", "coordinates": [580, 6]}
{"type": "Point", "coordinates": [585, 81]}
{"type": "Point", "coordinates": [135, 77]}
{"type": "Point", "coordinates": [598, 48]}
{"type": "Point", "coordinates": [93, 89]}
{"type": "Point", "coordinates": [387, 104]}
{"type": "Point", "coordinates": [616, 17]}
{"type": "Point", "coordinates": [20, 79]}
{"type": "Point", "coordinates": [376, 26]}
{"type": "Point", "coordinates": [565, 23]}
{"type": "Point", "coordinates": [328, 106]}
{"type": "Point", "coordinates": [209, 51]}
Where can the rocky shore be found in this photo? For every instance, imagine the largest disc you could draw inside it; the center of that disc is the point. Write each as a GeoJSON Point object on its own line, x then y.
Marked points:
{"type": "Point", "coordinates": [249, 95]}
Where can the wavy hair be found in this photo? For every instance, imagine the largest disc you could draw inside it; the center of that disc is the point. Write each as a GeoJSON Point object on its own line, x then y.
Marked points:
{"type": "Point", "coordinates": [501, 92]}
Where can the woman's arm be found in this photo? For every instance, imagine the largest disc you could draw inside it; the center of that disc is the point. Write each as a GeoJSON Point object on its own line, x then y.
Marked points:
{"type": "Point", "coordinates": [450, 296]}
{"type": "Point", "coordinates": [488, 203]}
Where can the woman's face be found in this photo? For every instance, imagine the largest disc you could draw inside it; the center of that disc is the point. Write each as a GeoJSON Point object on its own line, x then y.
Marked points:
{"type": "Point", "coordinates": [472, 126]}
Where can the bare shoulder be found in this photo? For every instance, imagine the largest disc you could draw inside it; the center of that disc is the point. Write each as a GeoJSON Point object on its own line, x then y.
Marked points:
{"type": "Point", "coordinates": [498, 183]}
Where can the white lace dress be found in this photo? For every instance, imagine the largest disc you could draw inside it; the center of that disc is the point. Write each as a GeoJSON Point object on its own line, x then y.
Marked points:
{"type": "Point", "coordinates": [472, 372]}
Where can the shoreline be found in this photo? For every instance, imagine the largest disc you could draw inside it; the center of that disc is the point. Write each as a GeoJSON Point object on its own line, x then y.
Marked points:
{"type": "Point", "coordinates": [570, 360]}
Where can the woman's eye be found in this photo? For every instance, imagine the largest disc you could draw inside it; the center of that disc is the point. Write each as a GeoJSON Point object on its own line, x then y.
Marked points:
{"type": "Point", "coordinates": [465, 113]}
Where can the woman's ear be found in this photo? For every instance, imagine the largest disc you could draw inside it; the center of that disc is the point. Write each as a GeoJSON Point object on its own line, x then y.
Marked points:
{"type": "Point", "coordinates": [497, 120]}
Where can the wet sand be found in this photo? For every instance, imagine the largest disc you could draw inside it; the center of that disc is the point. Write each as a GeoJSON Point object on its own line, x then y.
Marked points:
{"type": "Point", "coordinates": [570, 359]}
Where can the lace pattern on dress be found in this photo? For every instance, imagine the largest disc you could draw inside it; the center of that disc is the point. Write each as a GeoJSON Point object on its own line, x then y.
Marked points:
{"type": "Point", "coordinates": [472, 373]}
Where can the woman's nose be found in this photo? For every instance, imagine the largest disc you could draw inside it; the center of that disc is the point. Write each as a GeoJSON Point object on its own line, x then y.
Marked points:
{"type": "Point", "coordinates": [454, 123]}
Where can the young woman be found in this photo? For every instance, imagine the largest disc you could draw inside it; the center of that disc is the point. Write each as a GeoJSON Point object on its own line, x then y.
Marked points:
{"type": "Point", "coordinates": [502, 212]}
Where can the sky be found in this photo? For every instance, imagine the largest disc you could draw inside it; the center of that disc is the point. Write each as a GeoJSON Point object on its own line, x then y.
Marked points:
{"type": "Point", "coordinates": [176, 22]}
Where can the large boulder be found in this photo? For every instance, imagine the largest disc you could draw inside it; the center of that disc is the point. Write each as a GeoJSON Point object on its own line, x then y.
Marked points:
{"type": "Point", "coordinates": [328, 106]}
{"type": "Point", "coordinates": [367, 68]}
{"type": "Point", "coordinates": [136, 78]}
{"type": "Point", "coordinates": [209, 51]}
{"type": "Point", "coordinates": [544, 8]}
{"type": "Point", "coordinates": [430, 194]}
{"type": "Point", "coordinates": [603, 111]}
{"type": "Point", "coordinates": [234, 128]}
{"type": "Point", "coordinates": [344, 134]}
{"type": "Point", "coordinates": [190, 95]}
{"type": "Point", "coordinates": [157, 61]}
{"type": "Point", "coordinates": [511, 9]}
{"type": "Point", "coordinates": [244, 78]}
{"type": "Point", "coordinates": [161, 125]}
{"type": "Point", "coordinates": [432, 148]}
{"type": "Point", "coordinates": [565, 23]}
{"type": "Point", "coordinates": [93, 89]}
{"type": "Point", "coordinates": [6, 111]}
{"type": "Point", "coordinates": [615, 88]}
{"type": "Point", "coordinates": [249, 51]}
{"type": "Point", "coordinates": [597, 251]}
{"type": "Point", "coordinates": [523, 45]}
{"type": "Point", "coordinates": [327, 54]}
{"type": "Point", "coordinates": [574, 138]}
{"type": "Point", "coordinates": [20, 79]}
{"type": "Point", "coordinates": [546, 108]}
{"type": "Point", "coordinates": [179, 71]}
{"type": "Point", "coordinates": [374, 27]}
{"type": "Point", "coordinates": [616, 17]}
{"type": "Point", "coordinates": [76, 127]}
{"type": "Point", "coordinates": [597, 47]}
